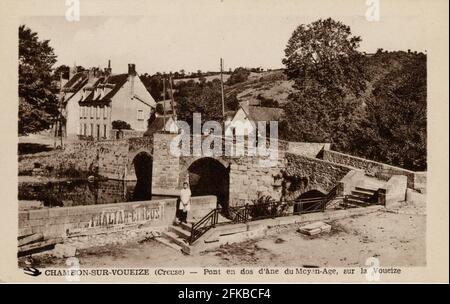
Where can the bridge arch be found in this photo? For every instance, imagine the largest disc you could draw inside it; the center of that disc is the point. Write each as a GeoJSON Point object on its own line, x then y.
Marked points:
{"type": "Point", "coordinates": [209, 176]}
{"type": "Point", "coordinates": [142, 165]}
{"type": "Point", "coordinates": [312, 193]}
{"type": "Point", "coordinates": [131, 174]}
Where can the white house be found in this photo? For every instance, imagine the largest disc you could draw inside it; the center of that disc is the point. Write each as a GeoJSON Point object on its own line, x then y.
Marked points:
{"type": "Point", "coordinates": [245, 120]}
{"type": "Point", "coordinates": [107, 97]}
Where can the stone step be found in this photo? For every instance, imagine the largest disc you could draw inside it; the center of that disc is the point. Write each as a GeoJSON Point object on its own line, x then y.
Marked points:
{"type": "Point", "coordinates": [361, 193]}
{"type": "Point", "coordinates": [173, 237]}
{"type": "Point", "coordinates": [367, 190]}
{"type": "Point", "coordinates": [358, 202]}
{"type": "Point", "coordinates": [168, 243]}
{"type": "Point", "coordinates": [185, 226]}
{"type": "Point", "coordinates": [180, 231]}
{"type": "Point", "coordinates": [359, 198]}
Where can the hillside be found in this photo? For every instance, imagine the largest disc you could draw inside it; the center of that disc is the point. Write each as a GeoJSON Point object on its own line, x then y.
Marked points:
{"type": "Point", "coordinates": [272, 85]}
{"type": "Point", "coordinates": [275, 85]}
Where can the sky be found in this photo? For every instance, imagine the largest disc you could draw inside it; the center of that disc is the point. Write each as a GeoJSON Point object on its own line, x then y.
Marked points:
{"type": "Point", "coordinates": [194, 35]}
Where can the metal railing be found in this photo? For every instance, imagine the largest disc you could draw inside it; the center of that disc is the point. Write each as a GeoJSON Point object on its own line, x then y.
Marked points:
{"type": "Point", "coordinates": [259, 211]}
{"type": "Point", "coordinates": [206, 223]}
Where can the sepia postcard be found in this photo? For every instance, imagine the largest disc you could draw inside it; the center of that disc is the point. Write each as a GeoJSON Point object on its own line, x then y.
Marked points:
{"type": "Point", "coordinates": [224, 141]}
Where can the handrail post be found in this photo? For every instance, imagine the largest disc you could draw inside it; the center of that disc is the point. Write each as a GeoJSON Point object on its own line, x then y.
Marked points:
{"type": "Point", "coordinates": [192, 233]}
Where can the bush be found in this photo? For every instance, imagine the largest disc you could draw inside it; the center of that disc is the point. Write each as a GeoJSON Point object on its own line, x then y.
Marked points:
{"type": "Point", "coordinates": [266, 206]}
{"type": "Point", "coordinates": [120, 125]}
{"type": "Point", "coordinates": [239, 75]}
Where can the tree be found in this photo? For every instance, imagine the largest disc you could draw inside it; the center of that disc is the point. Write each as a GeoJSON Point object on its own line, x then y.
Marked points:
{"type": "Point", "coordinates": [62, 70]}
{"type": "Point", "coordinates": [239, 75]}
{"type": "Point", "coordinates": [397, 116]}
{"type": "Point", "coordinates": [154, 85]}
{"type": "Point", "coordinates": [323, 60]}
{"type": "Point", "coordinates": [315, 115]}
{"type": "Point", "coordinates": [120, 125]}
{"type": "Point", "coordinates": [203, 98]}
{"type": "Point", "coordinates": [325, 52]}
{"type": "Point", "coordinates": [38, 102]}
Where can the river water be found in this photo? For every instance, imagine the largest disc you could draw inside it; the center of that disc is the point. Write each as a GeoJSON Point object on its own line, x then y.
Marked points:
{"type": "Point", "coordinates": [83, 192]}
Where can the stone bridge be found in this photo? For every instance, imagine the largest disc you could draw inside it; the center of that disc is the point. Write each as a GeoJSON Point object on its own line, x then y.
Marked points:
{"type": "Point", "coordinates": [239, 179]}
{"type": "Point", "coordinates": [234, 179]}
{"type": "Point", "coordinates": [299, 170]}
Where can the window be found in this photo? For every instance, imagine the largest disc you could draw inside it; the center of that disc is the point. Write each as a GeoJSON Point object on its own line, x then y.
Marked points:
{"type": "Point", "coordinates": [97, 111]}
{"type": "Point", "coordinates": [104, 132]}
{"type": "Point", "coordinates": [92, 127]}
{"type": "Point", "coordinates": [85, 129]}
{"type": "Point", "coordinates": [105, 112]}
{"type": "Point", "coordinates": [140, 115]}
{"type": "Point", "coordinates": [92, 112]}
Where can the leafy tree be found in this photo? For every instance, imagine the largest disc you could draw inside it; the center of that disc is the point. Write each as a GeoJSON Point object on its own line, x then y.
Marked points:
{"type": "Point", "coordinates": [325, 52]}
{"type": "Point", "coordinates": [239, 75]}
{"type": "Point", "coordinates": [38, 103]}
{"type": "Point", "coordinates": [154, 85]}
{"type": "Point", "coordinates": [397, 116]}
{"type": "Point", "coordinates": [316, 116]}
{"type": "Point", "coordinates": [62, 70]}
{"type": "Point", "coordinates": [328, 72]}
{"type": "Point", "coordinates": [120, 125]}
{"type": "Point", "coordinates": [204, 98]}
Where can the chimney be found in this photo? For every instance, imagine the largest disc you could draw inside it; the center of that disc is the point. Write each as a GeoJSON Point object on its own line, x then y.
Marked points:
{"type": "Point", "coordinates": [131, 69]}
{"type": "Point", "coordinates": [131, 74]}
{"type": "Point", "coordinates": [108, 70]}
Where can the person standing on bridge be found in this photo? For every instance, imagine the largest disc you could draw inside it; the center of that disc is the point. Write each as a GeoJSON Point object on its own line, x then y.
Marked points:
{"type": "Point", "coordinates": [185, 202]}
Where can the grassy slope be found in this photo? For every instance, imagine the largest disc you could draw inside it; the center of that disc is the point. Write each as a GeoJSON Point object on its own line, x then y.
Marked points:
{"type": "Point", "coordinates": [275, 85]}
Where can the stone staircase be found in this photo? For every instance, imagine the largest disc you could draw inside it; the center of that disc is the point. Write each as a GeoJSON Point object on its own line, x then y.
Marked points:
{"type": "Point", "coordinates": [178, 234]}
{"type": "Point", "coordinates": [360, 197]}
{"type": "Point", "coordinates": [177, 237]}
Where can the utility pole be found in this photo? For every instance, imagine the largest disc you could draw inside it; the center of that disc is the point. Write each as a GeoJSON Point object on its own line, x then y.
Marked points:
{"type": "Point", "coordinates": [174, 115]}
{"type": "Point", "coordinates": [164, 103]}
{"type": "Point", "coordinates": [61, 108]}
{"type": "Point", "coordinates": [221, 87]}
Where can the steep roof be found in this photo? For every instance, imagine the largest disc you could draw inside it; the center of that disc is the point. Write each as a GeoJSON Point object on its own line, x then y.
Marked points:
{"type": "Point", "coordinates": [256, 113]}
{"type": "Point", "coordinates": [118, 81]}
{"type": "Point", "coordinates": [76, 82]}
{"type": "Point", "coordinates": [114, 81]}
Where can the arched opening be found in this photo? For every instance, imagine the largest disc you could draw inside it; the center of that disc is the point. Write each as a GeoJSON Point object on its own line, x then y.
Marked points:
{"type": "Point", "coordinates": [309, 195]}
{"type": "Point", "coordinates": [143, 164]}
{"type": "Point", "coordinates": [208, 176]}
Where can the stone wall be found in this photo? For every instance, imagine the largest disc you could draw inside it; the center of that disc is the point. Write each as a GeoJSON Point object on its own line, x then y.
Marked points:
{"type": "Point", "coordinates": [420, 181]}
{"type": "Point", "coordinates": [307, 149]}
{"type": "Point", "coordinates": [95, 219]}
{"type": "Point", "coordinates": [352, 179]}
{"type": "Point", "coordinates": [165, 173]}
{"type": "Point", "coordinates": [304, 173]}
{"type": "Point", "coordinates": [107, 158]}
{"type": "Point", "coordinates": [251, 178]}
{"type": "Point", "coordinates": [123, 134]}
{"type": "Point", "coordinates": [376, 169]}
{"type": "Point", "coordinates": [396, 190]}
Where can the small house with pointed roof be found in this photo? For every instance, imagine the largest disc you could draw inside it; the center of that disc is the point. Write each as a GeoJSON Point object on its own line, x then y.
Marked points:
{"type": "Point", "coordinates": [245, 119]}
